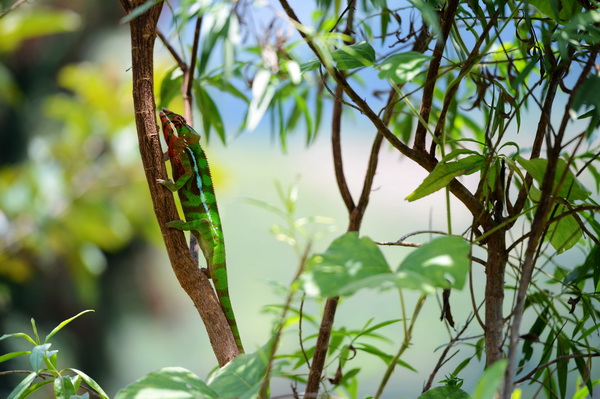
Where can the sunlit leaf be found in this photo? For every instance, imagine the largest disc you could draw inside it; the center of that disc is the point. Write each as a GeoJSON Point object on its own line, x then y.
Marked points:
{"type": "Point", "coordinates": [348, 259]}
{"type": "Point", "coordinates": [400, 68]}
{"type": "Point", "coordinates": [242, 377]}
{"type": "Point", "coordinates": [169, 382]}
{"type": "Point", "coordinates": [22, 387]}
{"type": "Point", "coordinates": [443, 173]}
{"type": "Point", "coordinates": [347, 57]}
{"type": "Point", "coordinates": [444, 262]}
{"type": "Point", "coordinates": [64, 387]}
{"type": "Point", "coordinates": [559, 10]}
{"type": "Point", "coordinates": [91, 382]}
{"type": "Point", "coordinates": [64, 323]}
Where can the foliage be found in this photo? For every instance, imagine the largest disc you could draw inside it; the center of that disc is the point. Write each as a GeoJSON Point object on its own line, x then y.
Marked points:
{"type": "Point", "coordinates": [495, 100]}
{"type": "Point", "coordinates": [44, 363]}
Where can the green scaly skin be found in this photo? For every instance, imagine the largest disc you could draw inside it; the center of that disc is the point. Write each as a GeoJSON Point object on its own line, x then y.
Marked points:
{"type": "Point", "coordinates": [193, 184]}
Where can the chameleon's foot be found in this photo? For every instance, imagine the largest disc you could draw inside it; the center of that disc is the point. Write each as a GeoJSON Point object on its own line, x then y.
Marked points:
{"type": "Point", "coordinates": [205, 271]}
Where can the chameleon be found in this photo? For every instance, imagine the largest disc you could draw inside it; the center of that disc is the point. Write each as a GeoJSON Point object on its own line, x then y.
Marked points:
{"type": "Point", "coordinates": [193, 183]}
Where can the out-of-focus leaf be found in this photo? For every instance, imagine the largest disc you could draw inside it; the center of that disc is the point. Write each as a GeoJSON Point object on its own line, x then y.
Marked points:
{"type": "Point", "coordinates": [400, 68]}
{"type": "Point", "coordinates": [348, 259]}
{"type": "Point", "coordinates": [386, 357]}
{"type": "Point", "coordinates": [91, 382]}
{"type": "Point", "coordinates": [263, 91]}
{"type": "Point", "coordinates": [565, 233]}
{"type": "Point", "coordinates": [169, 382]}
{"type": "Point", "coordinates": [347, 57]}
{"type": "Point", "coordinates": [38, 353]}
{"type": "Point", "coordinates": [490, 381]}
{"type": "Point", "coordinates": [22, 387]}
{"type": "Point", "coordinates": [443, 173]}
{"type": "Point", "coordinates": [587, 97]}
{"type": "Point", "coordinates": [19, 26]}
{"type": "Point", "coordinates": [570, 189]}
{"type": "Point", "coordinates": [170, 86]}
{"type": "Point", "coordinates": [211, 117]}
{"type": "Point", "coordinates": [242, 377]}
{"type": "Point", "coordinates": [444, 261]}
{"type": "Point", "coordinates": [558, 10]}
{"type": "Point", "coordinates": [139, 10]}
{"type": "Point", "coordinates": [65, 387]}
{"type": "Point", "coordinates": [445, 392]}
{"type": "Point", "coordinates": [64, 323]}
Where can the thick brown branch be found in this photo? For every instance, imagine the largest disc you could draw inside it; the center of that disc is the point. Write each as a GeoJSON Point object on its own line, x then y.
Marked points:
{"type": "Point", "coordinates": [192, 280]}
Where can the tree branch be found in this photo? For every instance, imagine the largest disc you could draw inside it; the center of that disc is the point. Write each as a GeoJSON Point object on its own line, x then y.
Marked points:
{"type": "Point", "coordinates": [192, 279]}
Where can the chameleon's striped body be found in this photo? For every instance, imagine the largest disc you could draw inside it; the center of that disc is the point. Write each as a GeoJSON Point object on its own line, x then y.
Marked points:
{"type": "Point", "coordinates": [193, 183]}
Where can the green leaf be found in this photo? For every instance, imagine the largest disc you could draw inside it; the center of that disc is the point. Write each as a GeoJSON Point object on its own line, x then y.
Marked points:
{"type": "Point", "coordinates": [91, 382]}
{"type": "Point", "coordinates": [346, 57]}
{"type": "Point", "coordinates": [354, 56]}
{"type": "Point", "coordinates": [22, 387]}
{"type": "Point", "coordinates": [564, 12]}
{"type": "Point", "coordinates": [64, 387]}
{"type": "Point", "coordinates": [565, 233]}
{"type": "Point", "coordinates": [347, 260]}
{"type": "Point", "coordinates": [12, 355]}
{"type": "Point", "coordinates": [38, 353]}
{"type": "Point", "coordinates": [64, 323]}
{"type": "Point", "coordinates": [169, 382]}
{"type": "Point", "coordinates": [386, 357]}
{"type": "Point", "coordinates": [400, 68]}
{"type": "Point", "coordinates": [22, 335]}
{"type": "Point", "coordinates": [139, 10]}
{"type": "Point", "coordinates": [211, 117]}
{"type": "Point", "coordinates": [242, 377]}
{"type": "Point", "coordinates": [17, 27]}
{"type": "Point", "coordinates": [170, 86]}
{"type": "Point", "coordinates": [570, 189]}
{"type": "Point", "coordinates": [445, 392]}
{"type": "Point", "coordinates": [444, 262]}
{"type": "Point", "coordinates": [490, 381]}
{"type": "Point", "coordinates": [443, 173]}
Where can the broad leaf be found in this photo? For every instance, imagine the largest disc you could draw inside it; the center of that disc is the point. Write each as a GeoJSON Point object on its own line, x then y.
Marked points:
{"type": "Point", "coordinates": [443, 173]}
{"type": "Point", "coordinates": [65, 387]}
{"type": "Point", "coordinates": [169, 382]}
{"type": "Point", "coordinates": [349, 259]}
{"type": "Point", "coordinates": [400, 68]}
{"type": "Point", "coordinates": [242, 377]}
{"type": "Point", "coordinates": [445, 392]}
{"type": "Point", "coordinates": [559, 10]}
{"type": "Point", "coordinates": [565, 233]}
{"type": "Point", "coordinates": [490, 381]}
{"type": "Point", "coordinates": [444, 262]}
{"type": "Point", "coordinates": [570, 188]}
{"type": "Point", "coordinates": [38, 353]}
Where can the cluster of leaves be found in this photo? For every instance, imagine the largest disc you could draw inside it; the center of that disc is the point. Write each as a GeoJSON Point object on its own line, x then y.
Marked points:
{"type": "Point", "coordinates": [44, 363]}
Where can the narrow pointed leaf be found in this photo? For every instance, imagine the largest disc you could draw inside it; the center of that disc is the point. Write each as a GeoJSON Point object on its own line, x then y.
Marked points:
{"type": "Point", "coordinates": [443, 173]}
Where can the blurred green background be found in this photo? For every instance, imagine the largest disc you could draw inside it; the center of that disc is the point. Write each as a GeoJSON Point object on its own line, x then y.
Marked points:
{"type": "Point", "coordinates": [77, 229]}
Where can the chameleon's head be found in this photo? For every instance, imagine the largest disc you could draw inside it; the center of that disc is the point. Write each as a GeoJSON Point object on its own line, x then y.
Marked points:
{"type": "Point", "coordinates": [170, 119]}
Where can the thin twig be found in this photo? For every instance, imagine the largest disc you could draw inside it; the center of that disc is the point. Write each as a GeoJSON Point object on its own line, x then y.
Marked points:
{"type": "Point", "coordinates": [12, 8]}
